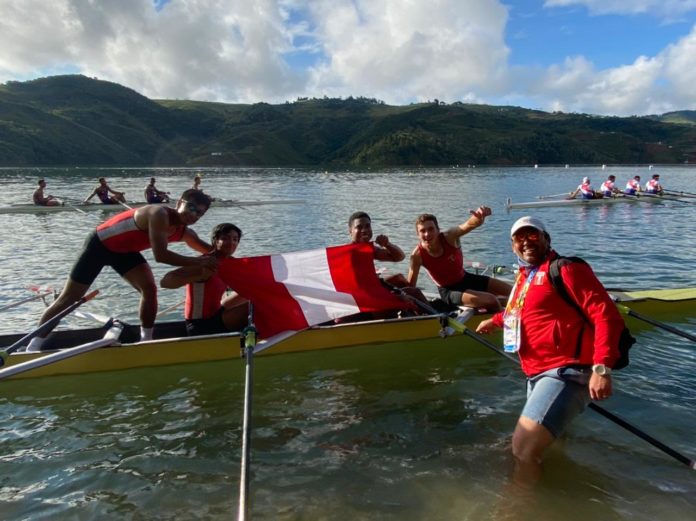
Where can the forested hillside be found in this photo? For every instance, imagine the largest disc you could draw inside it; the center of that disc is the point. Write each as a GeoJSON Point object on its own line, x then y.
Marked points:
{"type": "Point", "coordinates": [75, 120]}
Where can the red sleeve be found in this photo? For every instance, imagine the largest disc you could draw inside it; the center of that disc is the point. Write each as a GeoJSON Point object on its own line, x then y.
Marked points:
{"type": "Point", "coordinates": [587, 291]}
{"type": "Point", "coordinates": [498, 319]}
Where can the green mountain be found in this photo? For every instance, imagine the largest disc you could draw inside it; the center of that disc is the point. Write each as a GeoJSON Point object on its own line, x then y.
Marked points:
{"type": "Point", "coordinates": [75, 120]}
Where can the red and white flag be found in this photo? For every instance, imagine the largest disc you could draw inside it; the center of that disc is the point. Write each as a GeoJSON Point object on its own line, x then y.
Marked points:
{"type": "Point", "coordinates": [293, 291]}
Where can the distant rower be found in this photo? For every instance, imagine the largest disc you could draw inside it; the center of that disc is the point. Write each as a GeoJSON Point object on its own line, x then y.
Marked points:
{"type": "Point", "coordinates": [153, 195]}
{"type": "Point", "coordinates": [633, 186]}
{"type": "Point", "coordinates": [653, 186]}
{"type": "Point", "coordinates": [585, 189]}
{"type": "Point", "coordinates": [608, 189]}
{"type": "Point", "coordinates": [44, 200]}
{"type": "Point", "coordinates": [102, 191]}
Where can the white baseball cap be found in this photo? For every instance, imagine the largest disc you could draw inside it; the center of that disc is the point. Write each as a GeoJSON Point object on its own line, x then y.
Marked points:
{"type": "Point", "coordinates": [525, 221]}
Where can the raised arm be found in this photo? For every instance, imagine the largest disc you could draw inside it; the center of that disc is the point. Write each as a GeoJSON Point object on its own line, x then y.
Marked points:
{"type": "Point", "coordinates": [477, 218]}
{"type": "Point", "coordinates": [386, 251]}
{"type": "Point", "coordinates": [414, 267]}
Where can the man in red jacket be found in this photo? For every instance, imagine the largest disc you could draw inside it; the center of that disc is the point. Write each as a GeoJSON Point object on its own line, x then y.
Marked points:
{"type": "Point", "coordinates": [566, 357]}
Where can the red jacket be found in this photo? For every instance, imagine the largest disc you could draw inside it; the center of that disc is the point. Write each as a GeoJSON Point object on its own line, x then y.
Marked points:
{"type": "Point", "coordinates": [554, 334]}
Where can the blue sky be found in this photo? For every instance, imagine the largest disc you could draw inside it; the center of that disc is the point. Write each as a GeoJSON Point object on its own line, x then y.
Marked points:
{"type": "Point", "coordinates": [617, 57]}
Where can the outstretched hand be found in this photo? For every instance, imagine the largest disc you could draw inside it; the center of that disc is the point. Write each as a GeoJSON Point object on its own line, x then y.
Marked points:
{"type": "Point", "coordinates": [481, 213]}
{"type": "Point", "coordinates": [486, 326]}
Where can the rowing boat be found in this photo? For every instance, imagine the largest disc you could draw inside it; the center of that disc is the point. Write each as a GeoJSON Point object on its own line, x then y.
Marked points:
{"type": "Point", "coordinates": [643, 198]}
{"type": "Point", "coordinates": [171, 346]}
{"type": "Point", "coordinates": [85, 207]}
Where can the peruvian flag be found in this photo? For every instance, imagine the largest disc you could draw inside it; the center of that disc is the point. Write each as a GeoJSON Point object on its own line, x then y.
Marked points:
{"type": "Point", "coordinates": [293, 291]}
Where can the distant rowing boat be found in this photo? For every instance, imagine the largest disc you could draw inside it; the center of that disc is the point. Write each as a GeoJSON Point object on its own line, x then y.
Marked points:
{"type": "Point", "coordinates": [33, 208]}
{"type": "Point", "coordinates": [172, 347]}
{"type": "Point", "coordinates": [643, 198]}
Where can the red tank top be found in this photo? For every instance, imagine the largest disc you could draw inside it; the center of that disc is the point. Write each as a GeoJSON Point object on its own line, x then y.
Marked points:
{"type": "Point", "coordinates": [203, 298]}
{"type": "Point", "coordinates": [120, 234]}
{"type": "Point", "coordinates": [448, 268]}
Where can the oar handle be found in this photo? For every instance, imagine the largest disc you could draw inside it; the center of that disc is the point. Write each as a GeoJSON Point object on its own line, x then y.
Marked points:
{"type": "Point", "coordinates": [50, 324]}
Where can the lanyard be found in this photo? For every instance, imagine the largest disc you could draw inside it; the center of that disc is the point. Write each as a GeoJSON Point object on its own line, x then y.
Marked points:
{"type": "Point", "coordinates": [515, 305]}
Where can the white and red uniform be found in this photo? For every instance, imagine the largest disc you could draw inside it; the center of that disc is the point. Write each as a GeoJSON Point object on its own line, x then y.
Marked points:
{"type": "Point", "coordinates": [203, 298]}
{"type": "Point", "coordinates": [632, 187]}
{"type": "Point", "coordinates": [653, 186]}
{"type": "Point", "coordinates": [607, 188]}
{"type": "Point", "coordinates": [121, 234]}
{"type": "Point", "coordinates": [586, 191]}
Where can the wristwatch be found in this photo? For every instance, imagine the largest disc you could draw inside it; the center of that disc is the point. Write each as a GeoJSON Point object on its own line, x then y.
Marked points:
{"type": "Point", "coordinates": [601, 370]}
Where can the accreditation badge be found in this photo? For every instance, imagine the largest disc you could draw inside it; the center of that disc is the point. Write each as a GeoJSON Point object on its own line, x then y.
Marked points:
{"type": "Point", "coordinates": [511, 331]}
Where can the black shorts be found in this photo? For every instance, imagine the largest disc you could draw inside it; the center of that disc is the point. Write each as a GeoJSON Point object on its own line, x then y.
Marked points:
{"type": "Point", "coordinates": [452, 294]}
{"type": "Point", "coordinates": [95, 256]}
{"type": "Point", "coordinates": [207, 326]}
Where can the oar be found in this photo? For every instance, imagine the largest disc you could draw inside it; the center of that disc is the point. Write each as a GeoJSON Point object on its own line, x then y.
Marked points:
{"type": "Point", "coordinates": [50, 324]}
{"type": "Point", "coordinates": [70, 205]}
{"type": "Point", "coordinates": [170, 308]}
{"type": "Point", "coordinates": [677, 192]}
{"type": "Point", "coordinates": [111, 337]}
{"type": "Point", "coordinates": [597, 408]}
{"type": "Point", "coordinates": [124, 204]}
{"type": "Point", "coordinates": [552, 196]}
{"type": "Point", "coordinates": [628, 311]}
{"type": "Point", "coordinates": [249, 338]}
{"type": "Point", "coordinates": [24, 301]}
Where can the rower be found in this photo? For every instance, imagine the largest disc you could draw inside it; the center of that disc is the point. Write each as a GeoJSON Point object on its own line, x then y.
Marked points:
{"type": "Point", "coordinates": [44, 200]}
{"type": "Point", "coordinates": [653, 186]}
{"type": "Point", "coordinates": [118, 243]}
{"type": "Point", "coordinates": [607, 188]}
{"type": "Point", "coordinates": [206, 311]}
{"type": "Point", "coordinates": [633, 186]}
{"type": "Point", "coordinates": [103, 190]}
{"type": "Point", "coordinates": [153, 195]}
{"type": "Point", "coordinates": [440, 253]}
{"type": "Point", "coordinates": [360, 230]}
{"type": "Point", "coordinates": [585, 189]}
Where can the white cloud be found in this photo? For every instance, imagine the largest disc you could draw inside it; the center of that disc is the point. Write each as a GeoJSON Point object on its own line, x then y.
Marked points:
{"type": "Point", "coordinates": [395, 50]}
{"type": "Point", "coordinates": [398, 51]}
{"type": "Point", "coordinates": [670, 9]}
{"type": "Point", "coordinates": [213, 49]}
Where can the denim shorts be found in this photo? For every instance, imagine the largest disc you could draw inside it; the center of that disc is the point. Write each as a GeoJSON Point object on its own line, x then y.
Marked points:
{"type": "Point", "coordinates": [556, 396]}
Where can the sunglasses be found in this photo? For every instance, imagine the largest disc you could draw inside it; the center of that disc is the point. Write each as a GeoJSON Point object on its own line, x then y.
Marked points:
{"type": "Point", "coordinates": [192, 208]}
{"type": "Point", "coordinates": [531, 235]}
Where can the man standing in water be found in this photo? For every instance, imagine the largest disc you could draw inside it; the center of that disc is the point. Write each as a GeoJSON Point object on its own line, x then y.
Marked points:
{"type": "Point", "coordinates": [118, 243]}
{"type": "Point", "coordinates": [567, 356]}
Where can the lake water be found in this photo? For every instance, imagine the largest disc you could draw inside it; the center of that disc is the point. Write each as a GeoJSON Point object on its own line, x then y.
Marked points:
{"type": "Point", "coordinates": [347, 434]}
